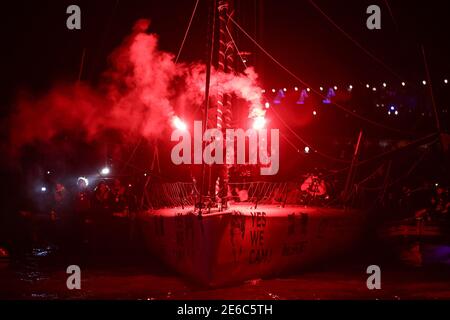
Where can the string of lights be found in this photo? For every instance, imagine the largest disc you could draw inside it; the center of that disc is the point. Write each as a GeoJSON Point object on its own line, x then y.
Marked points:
{"type": "Point", "coordinates": [387, 97]}
{"type": "Point", "coordinates": [350, 87]}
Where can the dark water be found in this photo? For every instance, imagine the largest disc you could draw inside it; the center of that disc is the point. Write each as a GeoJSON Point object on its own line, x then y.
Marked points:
{"type": "Point", "coordinates": [40, 273]}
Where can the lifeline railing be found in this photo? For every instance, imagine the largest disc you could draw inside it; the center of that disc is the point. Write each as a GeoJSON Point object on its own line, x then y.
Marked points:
{"type": "Point", "coordinates": [174, 194]}
{"type": "Point", "coordinates": [183, 194]}
{"type": "Point", "coordinates": [260, 192]}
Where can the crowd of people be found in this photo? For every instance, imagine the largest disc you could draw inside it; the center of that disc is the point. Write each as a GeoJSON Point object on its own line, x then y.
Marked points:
{"type": "Point", "coordinates": [427, 201]}
{"type": "Point", "coordinates": [107, 198]}
{"type": "Point", "coordinates": [85, 213]}
{"type": "Point", "coordinates": [435, 202]}
{"type": "Point", "coordinates": [87, 209]}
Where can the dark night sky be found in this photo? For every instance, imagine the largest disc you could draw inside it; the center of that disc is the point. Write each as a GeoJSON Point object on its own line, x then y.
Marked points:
{"type": "Point", "coordinates": [38, 50]}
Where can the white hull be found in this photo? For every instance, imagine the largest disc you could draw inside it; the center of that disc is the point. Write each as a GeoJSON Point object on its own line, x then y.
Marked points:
{"type": "Point", "coordinates": [244, 243]}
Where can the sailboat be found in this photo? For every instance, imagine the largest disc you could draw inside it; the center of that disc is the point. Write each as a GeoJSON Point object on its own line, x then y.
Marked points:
{"type": "Point", "coordinates": [217, 243]}
{"type": "Point", "coordinates": [247, 242]}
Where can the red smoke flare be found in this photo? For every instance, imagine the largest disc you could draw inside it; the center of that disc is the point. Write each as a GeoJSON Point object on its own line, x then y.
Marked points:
{"type": "Point", "coordinates": [139, 94]}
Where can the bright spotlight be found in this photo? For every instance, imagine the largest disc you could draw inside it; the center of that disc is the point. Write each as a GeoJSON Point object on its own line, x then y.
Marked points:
{"type": "Point", "coordinates": [105, 171]}
{"type": "Point", "coordinates": [396, 112]}
{"type": "Point", "coordinates": [424, 82]}
{"type": "Point", "coordinates": [307, 149]}
{"type": "Point", "coordinates": [384, 84]}
{"type": "Point", "coordinates": [403, 84]}
{"type": "Point", "coordinates": [48, 172]}
{"type": "Point", "coordinates": [445, 81]}
{"type": "Point", "coordinates": [314, 113]}
{"type": "Point", "coordinates": [374, 89]}
{"type": "Point", "coordinates": [284, 89]}
{"type": "Point", "coordinates": [296, 88]}
{"type": "Point", "coordinates": [273, 90]}
{"type": "Point", "coordinates": [308, 89]}
{"type": "Point", "coordinates": [179, 124]}
{"type": "Point", "coordinates": [267, 105]}
{"type": "Point", "coordinates": [43, 189]}
{"type": "Point", "coordinates": [367, 86]}
{"type": "Point", "coordinates": [392, 108]}
{"type": "Point", "coordinates": [259, 123]}
{"type": "Point", "coordinates": [321, 88]}
{"type": "Point", "coordinates": [350, 87]}
{"type": "Point", "coordinates": [85, 180]}
{"type": "Point", "coordinates": [335, 88]}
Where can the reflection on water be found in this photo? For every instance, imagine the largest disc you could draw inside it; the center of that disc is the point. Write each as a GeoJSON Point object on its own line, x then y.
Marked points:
{"type": "Point", "coordinates": [411, 255]}
{"type": "Point", "coordinates": [43, 252]}
{"type": "Point", "coordinates": [40, 274]}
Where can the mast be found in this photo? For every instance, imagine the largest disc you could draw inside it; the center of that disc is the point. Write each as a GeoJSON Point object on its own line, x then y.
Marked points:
{"type": "Point", "coordinates": [224, 102]}
{"type": "Point", "coordinates": [351, 172]}
{"type": "Point", "coordinates": [211, 26]}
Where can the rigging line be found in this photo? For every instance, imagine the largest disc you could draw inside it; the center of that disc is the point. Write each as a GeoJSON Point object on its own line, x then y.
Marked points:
{"type": "Point", "coordinates": [353, 40]}
{"type": "Point", "coordinates": [297, 150]}
{"type": "Point", "coordinates": [391, 13]}
{"type": "Point", "coordinates": [312, 87]}
{"type": "Point", "coordinates": [397, 149]}
{"type": "Point", "coordinates": [131, 155]}
{"type": "Point", "coordinates": [380, 156]}
{"type": "Point", "coordinates": [243, 62]}
{"type": "Point", "coordinates": [370, 176]}
{"type": "Point", "coordinates": [411, 169]}
{"type": "Point", "coordinates": [102, 41]}
{"type": "Point", "coordinates": [408, 173]}
{"type": "Point", "coordinates": [236, 47]}
{"type": "Point", "coordinates": [430, 89]}
{"type": "Point", "coordinates": [187, 30]}
{"type": "Point", "coordinates": [82, 62]}
{"type": "Point", "coordinates": [307, 143]}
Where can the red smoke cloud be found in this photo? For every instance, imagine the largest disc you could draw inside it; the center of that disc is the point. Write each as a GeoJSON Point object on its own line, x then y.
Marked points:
{"type": "Point", "coordinates": [139, 94]}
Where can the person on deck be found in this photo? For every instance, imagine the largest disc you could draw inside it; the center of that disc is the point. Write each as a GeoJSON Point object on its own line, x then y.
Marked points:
{"type": "Point", "coordinates": [438, 210]}
{"type": "Point", "coordinates": [314, 189]}
{"type": "Point", "coordinates": [101, 203]}
{"type": "Point", "coordinates": [102, 216]}
{"type": "Point", "coordinates": [242, 194]}
{"type": "Point", "coordinates": [59, 202]}
{"type": "Point", "coordinates": [440, 204]}
{"type": "Point", "coordinates": [82, 204]}
{"type": "Point", "coordinates": [82, 207]}
{"type": "Point", "coordinates": [118, 196]}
